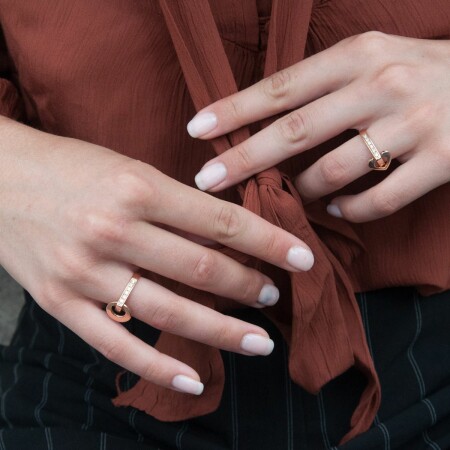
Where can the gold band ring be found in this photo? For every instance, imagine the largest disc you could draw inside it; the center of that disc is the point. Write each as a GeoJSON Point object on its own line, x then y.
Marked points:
{"type": "Point", "coordinates": [380, 161]}
{"type": "Point", "coordinates": [118, 311]}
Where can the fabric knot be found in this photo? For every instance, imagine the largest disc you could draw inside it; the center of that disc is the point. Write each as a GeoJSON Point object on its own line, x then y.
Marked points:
{"type": "Point", "coordinates": [270, 177]}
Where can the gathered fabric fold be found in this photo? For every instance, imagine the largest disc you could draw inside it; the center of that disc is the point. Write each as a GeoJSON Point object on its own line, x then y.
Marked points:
{"type": "Point", "coordinates": [10, 101]}
{"type": "Point", "coordinates": [325, 332]}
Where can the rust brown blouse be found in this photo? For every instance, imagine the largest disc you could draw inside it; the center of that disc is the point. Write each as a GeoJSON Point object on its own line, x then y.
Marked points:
{"type": "Point", "coordinates": [129, 74]}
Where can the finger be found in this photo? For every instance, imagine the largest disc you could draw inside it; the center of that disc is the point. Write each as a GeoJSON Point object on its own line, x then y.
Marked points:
{"type": "Point", "coordinates": [203, 268]}
{"type": "Point", "coordinates": [294, 133]}
{"type": "Point", "coordinates": [307, 80]}
{"type": "Point", "coordinates": [118, 345]}
{"type": "Point", "coordinates": [166, 311]}
{"type": "Point", "coordinates": [408, 182]}
{"type": "Point", "coordinates": [348, 162]}
{"type": "Point", "coordinates": [188, 209]}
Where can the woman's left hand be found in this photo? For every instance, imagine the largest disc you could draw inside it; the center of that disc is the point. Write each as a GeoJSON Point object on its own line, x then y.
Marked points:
{"type": "Point", "coordinates": [397, 88]}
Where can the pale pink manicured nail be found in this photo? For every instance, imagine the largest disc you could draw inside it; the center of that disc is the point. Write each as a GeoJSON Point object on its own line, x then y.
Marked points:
{"type": "Point", "coordinates": [300, 257]}
{"type": "Point", "coordinates": [189, 385]}
{"type": "Point", "coordinates": [211, 176]}
{"type": "Point", "coordinates": [257, 344]}
{"type": "Point", "coordinates": [269, 295]}
{"type": "Point", "coordinates": [334, 210]}
{"type": "Point", "coordinates": [201, 124]}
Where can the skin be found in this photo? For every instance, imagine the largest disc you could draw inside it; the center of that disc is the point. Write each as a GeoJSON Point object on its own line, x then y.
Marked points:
{"type": "Point", "coordinates": [397, 88]}
{"type": "Point", "coordinates": [77, 219]}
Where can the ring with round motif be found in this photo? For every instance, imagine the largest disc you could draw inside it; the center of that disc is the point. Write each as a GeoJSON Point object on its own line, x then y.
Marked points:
{"type": "Point", "coordinates": [380, 160]}
{"type": "Point", "coordinates": [119, 311]}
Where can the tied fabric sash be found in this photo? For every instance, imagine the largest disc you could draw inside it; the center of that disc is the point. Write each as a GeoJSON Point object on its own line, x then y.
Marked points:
{"type": "Point", "coordinates": [326, 335]}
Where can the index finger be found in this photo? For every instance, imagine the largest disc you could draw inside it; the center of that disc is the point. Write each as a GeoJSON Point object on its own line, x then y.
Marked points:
{"type": "Point", "coordinates": [296, 85]}
{"type": "Point", "coordinates": [196, 212]}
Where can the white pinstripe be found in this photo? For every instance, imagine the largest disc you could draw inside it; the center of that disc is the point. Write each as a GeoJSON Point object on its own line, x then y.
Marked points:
{"type": "Point", "coordinates": [131, 421]}
{"type": "Point", "coordinates": [38, 409]}
{"type": "Point", "coordinates": [429, 441]}
{"type": "Point", "coordinates": [2, 442]}
{"type": "Point", "coordinates": [431, 409]}
{"type": "Point", "coordinates": [180, 435]}
{"type": "Point", "coordinates": [48, 438]}
{"type": "Point", "coordinates": [417, 371]}
{"type": "Point", "coordinates": [4, 395]}
{"type": "Point", "coordinates": [103, 441]}
{"type": "Point", "coordinates": [386, 435]}
{"type": "Point", "coordinates": [88, 392]}
{"type": "Point", "coordinates": [323, 421]}
{"type": "Point", "coordinates": [410, 354]}
{"type": "Point", "coordinates": [90, 411]}
{"type": "Point", "coordinates": [47, 358]}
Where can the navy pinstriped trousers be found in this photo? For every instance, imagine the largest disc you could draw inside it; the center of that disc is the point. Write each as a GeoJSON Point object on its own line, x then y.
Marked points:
{"type": "Point", "coordinates": [55, 390]}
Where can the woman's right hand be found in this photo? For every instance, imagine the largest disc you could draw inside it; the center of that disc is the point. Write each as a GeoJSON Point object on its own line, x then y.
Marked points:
{"type": "Point", "coordinates": [77, 220]}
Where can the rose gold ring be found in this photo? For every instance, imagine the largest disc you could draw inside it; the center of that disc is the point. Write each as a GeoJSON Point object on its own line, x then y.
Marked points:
{"type": "Point", "coordinates": [118, 311]}
{"type": "Point", "coordinates": [380, 161]}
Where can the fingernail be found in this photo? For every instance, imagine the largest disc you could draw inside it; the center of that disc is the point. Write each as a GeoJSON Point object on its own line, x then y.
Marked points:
{"type": "Point", "coordinates": [334, 210]}
{"type": "Point", "coordinates": [201, 124]}
{"type": "Point", "coordinates": [300, 258]}
{"type": "Point", "coordinates": [210, 176]}
{"type": "Point", "coordinates": [257, 344]}
{"type": "Point", "coordinates": [186, 384]}
{"type": "Point", "coordinates": [269, 295]}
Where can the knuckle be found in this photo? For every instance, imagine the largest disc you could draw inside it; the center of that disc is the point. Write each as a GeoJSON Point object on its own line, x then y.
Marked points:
{"type": "Point", "coordinates": [204, 272]}
{"type": "Point", "coordinates": [276, 86]}
{"type": "Point", "coordinates": [104, 227]}
{"type": "Point", "coordinates": [166, 318]}
{"type": "Point", "coordinates": [152, 372]}
{"type": "Point", "coordinates": [386, 203]}
{"type": "Point", "coordinates": [392, 80]}
{"type": "Point", "coordinates": [371, 43]}
{"type": "Point", "coordinates": [295, 127]}
{"type": "Point", "coordinates": [134, 187]}
{"type": "Point", "coordinates": [227, 223]}
{"type": "Point", "coordinates": [234, 108]}
{"type": "Point", "coordinates": [244, 159]}
{"type": "Point", "coordinates": [334, 171]}
{"type": "Point", "coordinates": [249, 292]}
{"type": "Point", "coordinates": [351, 212]}
{"type": "Point", "coordinates": [271, 244]}
{"type": "Point", "coordinates": [223, 335]}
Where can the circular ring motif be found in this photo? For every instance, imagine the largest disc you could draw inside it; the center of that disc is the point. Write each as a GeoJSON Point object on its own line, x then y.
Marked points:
{"type": "Point", "coordinates": [118, 311]}
{"type": "Point", "coordinates": [123, 316]}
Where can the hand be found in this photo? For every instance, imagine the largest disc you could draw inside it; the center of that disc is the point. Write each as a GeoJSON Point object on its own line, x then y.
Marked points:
{"type": "Point", "coordinates": [396, 87]}
{"type": "Point", "coordinates": [76, 221]}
